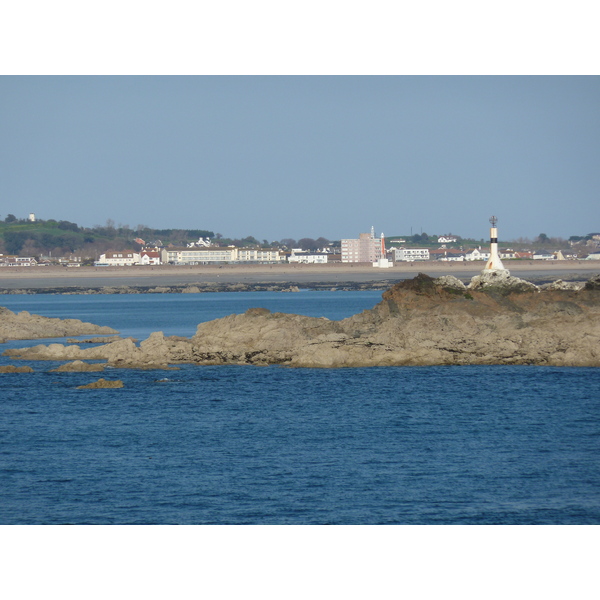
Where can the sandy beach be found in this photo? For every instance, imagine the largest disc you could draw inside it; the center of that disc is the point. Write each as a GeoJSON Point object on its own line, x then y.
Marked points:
{"type": "Point", "coordinates": [335, 273]}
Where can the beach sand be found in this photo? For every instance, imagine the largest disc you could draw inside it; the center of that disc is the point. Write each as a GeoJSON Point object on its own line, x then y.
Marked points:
{"type": "Point", "coordinates": [337, 273]}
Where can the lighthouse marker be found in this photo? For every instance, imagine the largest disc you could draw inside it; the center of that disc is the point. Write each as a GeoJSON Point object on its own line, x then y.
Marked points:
{"type": "Point", "coordinates": [494, 263]}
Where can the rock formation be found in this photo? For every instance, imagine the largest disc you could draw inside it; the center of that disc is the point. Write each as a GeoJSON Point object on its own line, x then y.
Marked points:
{"type": "Point", "coordinates": [25, 326]}
{"type": "Point", "coordinates": [13, 369]}
{"type": "Point", "coordinates": [418, 322]}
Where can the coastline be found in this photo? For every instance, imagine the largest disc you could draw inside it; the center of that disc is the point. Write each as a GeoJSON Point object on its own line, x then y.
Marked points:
{"type": "Point", "coordinates": [286, 277]}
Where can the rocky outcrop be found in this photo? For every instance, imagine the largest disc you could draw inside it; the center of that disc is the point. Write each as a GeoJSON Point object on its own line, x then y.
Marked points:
{"type": "Point", "coordinates": [101, 383]}
{"type": "Point", "coordinates": [13, 369]}
{"type": "Point", "coordinates": [25, 326]}
{"type": "Point", "coordinates": [418, 322]}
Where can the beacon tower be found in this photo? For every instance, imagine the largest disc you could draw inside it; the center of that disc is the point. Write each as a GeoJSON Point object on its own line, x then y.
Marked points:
{"type": "Point", "coordinates": [494, 263]}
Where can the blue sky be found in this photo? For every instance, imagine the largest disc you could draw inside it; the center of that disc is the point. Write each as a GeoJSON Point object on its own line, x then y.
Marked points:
{"type": "Point", "coordinates": [305, 156]}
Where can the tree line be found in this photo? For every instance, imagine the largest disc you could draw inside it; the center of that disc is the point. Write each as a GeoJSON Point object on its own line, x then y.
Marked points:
{"type": "Point", "coordinates": [61, 238]}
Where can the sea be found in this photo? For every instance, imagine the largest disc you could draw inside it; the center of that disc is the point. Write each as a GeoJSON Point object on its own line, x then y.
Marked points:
{"type": "Point", "coordinates": [276, 445]}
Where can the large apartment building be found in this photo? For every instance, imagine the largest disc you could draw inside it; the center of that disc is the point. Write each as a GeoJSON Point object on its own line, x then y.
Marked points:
{"type": "Point", "coordinates": [218, 255]}
{"type": "Point", "coordinates": [366, 249]}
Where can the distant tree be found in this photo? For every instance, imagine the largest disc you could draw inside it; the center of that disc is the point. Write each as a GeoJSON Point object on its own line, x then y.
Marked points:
{"type": "Point", "coordinates": [30, 248]}
{"type": "Point", "coordinates": [419, 238]}
{"type": "Point", "coordinates": [10, 218]}
{"type": "Point", "coordinates": [308, 244]}
{"type": "Point", "coordinates": [250, 241]}
{"type": "Point", "coordinates": [67, 225]}
{"type": "Point", "coordinates": [322, 242]}
{"type": "Point", "coordinates": [288, 242]}
{"type": "Point", "coordinates": [14, 241]}
{"type": "Point", "coordinates": [542, 238]}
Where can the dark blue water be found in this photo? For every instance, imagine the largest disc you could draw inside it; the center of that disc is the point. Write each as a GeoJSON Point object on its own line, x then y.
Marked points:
{"type": "Point", "coordinates": [272, 445]}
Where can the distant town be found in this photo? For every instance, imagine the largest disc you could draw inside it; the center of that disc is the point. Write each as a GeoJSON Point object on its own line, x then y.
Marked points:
{"type": "Point", "coordinates": [32, 242]}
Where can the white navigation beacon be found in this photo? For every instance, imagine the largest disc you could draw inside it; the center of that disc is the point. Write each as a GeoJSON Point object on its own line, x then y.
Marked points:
{"type": "Point", "coordinates": [494, 263]}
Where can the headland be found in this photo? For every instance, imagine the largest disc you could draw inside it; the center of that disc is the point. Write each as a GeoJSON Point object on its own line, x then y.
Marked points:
{"type": "Point", "coordinates": [497, 319]}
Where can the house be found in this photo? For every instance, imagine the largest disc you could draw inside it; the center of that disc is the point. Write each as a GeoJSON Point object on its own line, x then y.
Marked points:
{"type": "Point", "coordinates": [447, 239]}
{"type": "Point", "coordinates": [543, 256]}
{"type": "Point", "coordinates": [450, 254]}
{"type": "Point", "coordinates": [477, 254]}
{"type": "Point", "coordinates": [150, 257]}
{"type": "Point", "coordinates": [593, 256]}
{"type": "Point", "coordinates": [123, 258]}
{"type": "Point", "coordinates": [17, 261]}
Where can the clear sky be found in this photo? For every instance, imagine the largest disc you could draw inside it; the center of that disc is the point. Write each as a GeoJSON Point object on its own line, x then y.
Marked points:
{"type": "Point", "coordinates": [305, 156]}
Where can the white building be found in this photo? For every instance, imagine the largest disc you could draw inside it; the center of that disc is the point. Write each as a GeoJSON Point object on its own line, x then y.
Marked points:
{"type": "Point", "coordinates": [411, 254]}
{"type": "Point", "coordinates": [218, 255]}
{"type": "Point", "coordinates": [309, 258]}
{"type": "Point", "coordinates": [125, 258]}
{"type": "Point", "coordinates": [150, 257]}
{"type": "Point", "coordinates": [259, 255]}
{"type": "Point", "coordinates": [477, 254]}
{"type": "Point", "coordinates": [17, 261]}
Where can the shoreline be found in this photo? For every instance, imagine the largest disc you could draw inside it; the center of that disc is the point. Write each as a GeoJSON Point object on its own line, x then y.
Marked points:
{"type": "Point", "coordinates": [205, 278]}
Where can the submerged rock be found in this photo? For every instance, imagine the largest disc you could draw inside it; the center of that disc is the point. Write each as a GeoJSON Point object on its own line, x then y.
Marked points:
{"type": "Point", "coordinates": [99, 340]}
{"type": "Point", "coordinates": [101, 383]}
{"type": "Point", "coordinates": [78, 366]}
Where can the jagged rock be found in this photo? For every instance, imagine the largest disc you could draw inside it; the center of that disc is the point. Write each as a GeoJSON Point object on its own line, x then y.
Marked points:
{"type": "Point", "coordinates": [449, 281]}
{"type": "Point", "coordinates": [13, 369]}
{"type": "Point", "coordinates": [559, 284]}
{"type": "Point", "coordinates": [192, 289]}
{"type": "Point", "coordinates": [501, 281]}
{"type": "Point", "coordinates": [593, 283]}
{"type": "Point", "coordinates": [78, 366]}
{"type": "Point", "coordinates": [418, 322]}
{"type": "Point", "coordinates": [101, 383]}
{"type": "Point", "coordinates": [25, 326]}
